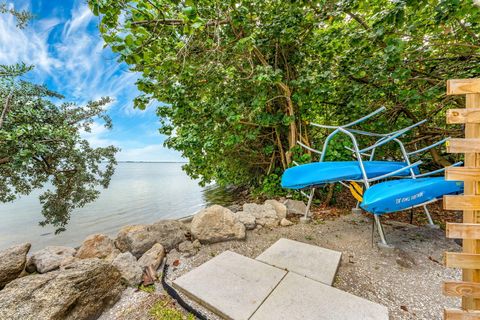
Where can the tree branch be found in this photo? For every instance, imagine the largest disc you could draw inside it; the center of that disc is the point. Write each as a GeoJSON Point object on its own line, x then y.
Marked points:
{"type": "Point", "coordinates": [6, 108]}
{"type": "Point", "coordinates": [176, 22]}
{"type": "Point", "coordinates": [358, 19]}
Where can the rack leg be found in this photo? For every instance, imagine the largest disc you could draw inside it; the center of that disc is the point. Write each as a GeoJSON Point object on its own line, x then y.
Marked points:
{"type": "Point", "coordinates": [383, 242]}
{"type": "Point", "coordinates": [306, 218]}
{"type": "Point", "coordinates": [357, 209]}
{"type": "Point", "coordinates": [430, 224]}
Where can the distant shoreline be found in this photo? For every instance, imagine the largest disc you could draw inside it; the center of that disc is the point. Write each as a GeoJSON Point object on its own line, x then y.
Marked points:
{"type": "Point", "coordinates": [152, 162]}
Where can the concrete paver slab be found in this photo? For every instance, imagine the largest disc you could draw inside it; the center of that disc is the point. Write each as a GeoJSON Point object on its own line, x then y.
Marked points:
{"type": "Point", "coordinates": [299, 298]}
{"type": "Point", "coordinates": [307, 260]}
{"type": "Point", "coordinates": [230, 284]}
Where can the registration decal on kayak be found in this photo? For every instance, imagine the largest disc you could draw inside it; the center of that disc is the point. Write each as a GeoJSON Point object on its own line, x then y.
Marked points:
{"type": "Point", "coordinates": [410, 198]}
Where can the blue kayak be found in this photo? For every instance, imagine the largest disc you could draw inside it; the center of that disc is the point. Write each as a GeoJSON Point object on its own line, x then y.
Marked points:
{"type": "Point", "coordinates": [397, 195]}
{"type": "Point", "coordinates": [318, 173]}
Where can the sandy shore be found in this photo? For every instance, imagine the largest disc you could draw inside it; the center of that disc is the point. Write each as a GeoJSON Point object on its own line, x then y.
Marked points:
{"type": "Point", "coordinates": [407, 279]}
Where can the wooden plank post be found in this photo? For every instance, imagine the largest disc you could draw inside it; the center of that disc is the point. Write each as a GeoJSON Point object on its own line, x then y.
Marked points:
{"type": "Point", "coordinates": [470, 232]}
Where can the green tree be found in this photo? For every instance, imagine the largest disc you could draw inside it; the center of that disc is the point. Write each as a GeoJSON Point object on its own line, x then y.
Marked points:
{"type": "Point", "coordinates": [243, 78]}
{"type": "Point", "coordinates": [41, 145]}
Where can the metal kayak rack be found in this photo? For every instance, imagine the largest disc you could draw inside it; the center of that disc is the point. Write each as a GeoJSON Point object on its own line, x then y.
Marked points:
{"type": "Point", "coordinates": [368, 152]}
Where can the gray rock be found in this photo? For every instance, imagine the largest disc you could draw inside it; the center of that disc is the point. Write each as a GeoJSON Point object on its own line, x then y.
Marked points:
{"type": "Point", "coordinates": [279, 207]}
{"type": "Point", "coordinates": [285, 222]}
{"type": "Point", "coordinates": [246, 218]}
{"type": "Point", "coordinates": [67, 262]}
{"type": "Point", "coordinates": [129, 268]}
{"type": "Point", "coordinates": [265, 215]}
{"type": "Point", "coordinates": [12, 262]}
{"type": "Point", "coordinates": [216, 224]}
{"type": "Point", "coordinates": [30, 266]}
{"type": "Point", "coordinates": [153, 257]}
{"type": "Point", "coordinates": [186, 246]}
{"type": "Point", "coordinates": [139, 238]}
{"type": "Point", "coordinates": [51, 258]}
{"type": "Point", "coordinates": [197, 244]}
{"type": "Point", "coordinates": [81, 291]}
{"type": "Point", "coordinates": [98, 246]}
{"type": "Point", "coordinates": [235, 207]}
{"type": "Point", "coordinates": [295, 207]}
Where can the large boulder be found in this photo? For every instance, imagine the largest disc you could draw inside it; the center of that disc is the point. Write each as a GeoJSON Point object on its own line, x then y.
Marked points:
{"type": "Point", "coordinates": [265, 215]}
{"type": "Point", "coordinates": [279, 207]}
{"type": "Point", "coordinates": [216, 224]}
{"type": "Point", "coordinates": [246, 218]}
{"type": "Point", "coordinates": [153, 257]}
{"type": "Point", "coordinates": [12, 262]}
{"type": "Point", "coordinates": [81, 291]}
{"type": "Point", "coordinates": [139, 238]}
{"type": "Point", "coordinates": [97, 246]}
{"type": "Point", "coordinates": [295, 207]}
{"type": "Point", "coordinates": [129, 268]}
{"type": "Point", "coordinates": [52, 258]}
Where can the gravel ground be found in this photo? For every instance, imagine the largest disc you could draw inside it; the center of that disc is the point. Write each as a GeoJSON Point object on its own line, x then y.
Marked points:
{"type": "Point", "coordinates": [406, 279]}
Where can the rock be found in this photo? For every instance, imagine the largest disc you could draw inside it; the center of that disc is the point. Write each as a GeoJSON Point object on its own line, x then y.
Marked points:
{"type": "Point", "coordinates": [139, 238]}
{"type": "Point", "coordinates": [285, 222]}
{"type": "Point", "coordinates": [186, 246]}
{"type": "Point", "coordinates": [51, 258]}
{"type": "Point", "coordinates": [279, 207]}
{"type": "Point", "coordinates": [295, 207]}
{"type": "Point", "coordinates": [67, 262]}
{"type": "Point", "coordinates": [215, 224]}
{"type": "Point", "coordinates": [82, 291]}
{"type": "Point", "coordinates": [129, 268]}
{"type": "Point", "coordinates": [153, 257]}
{"type": "Point", "coordinates": [235, 207]}
{"type": "Point", "coordinates": [246, 218]}
{"type": "Point", "coordinates": [12, 262]}
{"type": "Point", "coordinates": [197, 244]}
{"type": "Point", "coordinates": [30, 266]}
{"type": "Point", "coordinates": [265, 215]}
{"type": "Point", "coordinates": [98, 246]}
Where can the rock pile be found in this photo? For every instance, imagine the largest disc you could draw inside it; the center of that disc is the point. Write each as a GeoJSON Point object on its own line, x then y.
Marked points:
{"type": "Point", "coordinates": [65, 283]}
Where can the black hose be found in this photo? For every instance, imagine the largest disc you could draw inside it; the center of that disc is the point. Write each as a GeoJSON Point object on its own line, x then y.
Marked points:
{"type": "Point", "coordinates": [174, 294]}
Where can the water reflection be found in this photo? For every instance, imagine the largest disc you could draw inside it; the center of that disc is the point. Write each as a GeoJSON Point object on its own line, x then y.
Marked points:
{"type": "Point", "coordinates": [138, 193]}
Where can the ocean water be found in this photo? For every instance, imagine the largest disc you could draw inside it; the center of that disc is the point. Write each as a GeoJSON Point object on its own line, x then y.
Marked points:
{"type": "Point", "coordinates": [138, 193]}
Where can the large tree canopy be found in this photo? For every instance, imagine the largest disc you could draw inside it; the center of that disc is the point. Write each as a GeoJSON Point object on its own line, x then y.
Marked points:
{"type": "Point", "coordinates": [243, 78]}
{"type": "Point", "coordinates": [41, 145]}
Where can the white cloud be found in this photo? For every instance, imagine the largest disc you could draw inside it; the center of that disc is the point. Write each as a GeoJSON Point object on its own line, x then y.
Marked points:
{"type": "Point", "coordinates": [81, 18]}
{"type": "Point", "coordinates": [73, 58]}
{"type": "Point", "coordinates": [18, 45]}
{"type": "Point", "coordinates": [97, 136]}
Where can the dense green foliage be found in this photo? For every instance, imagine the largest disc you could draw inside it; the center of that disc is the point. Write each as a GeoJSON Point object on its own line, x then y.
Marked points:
{"type": "Point", "coordinates": [243, 78]}
{"type": "Point", "coordinates": [41, 146]}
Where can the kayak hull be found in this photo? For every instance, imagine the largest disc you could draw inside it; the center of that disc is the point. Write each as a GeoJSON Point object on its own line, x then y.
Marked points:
{"type": "Point", "coordinates": [396, 195]}
{"type": "Point", "coordinates": [318, 173]}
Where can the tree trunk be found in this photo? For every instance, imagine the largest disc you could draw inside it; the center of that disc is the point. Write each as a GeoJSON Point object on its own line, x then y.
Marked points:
{"type": "Point", "coordinates": [292, 130]}
{"type": "Point", "coordinates": [329, 197]}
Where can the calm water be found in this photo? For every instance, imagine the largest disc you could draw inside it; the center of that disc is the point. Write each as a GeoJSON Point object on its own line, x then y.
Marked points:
{"type": "Point", "coordinates": [138, 193]}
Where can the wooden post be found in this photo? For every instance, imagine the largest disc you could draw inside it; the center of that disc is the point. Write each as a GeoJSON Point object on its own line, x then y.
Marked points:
{"type": "Point", "coordinates": [469, 231]}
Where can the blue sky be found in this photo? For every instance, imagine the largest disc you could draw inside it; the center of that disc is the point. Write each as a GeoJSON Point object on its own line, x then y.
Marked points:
{"type": "Point", "coordinates": [65, 46]}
